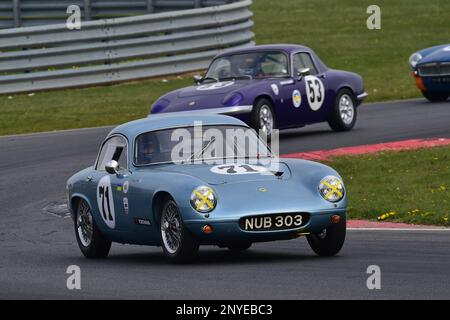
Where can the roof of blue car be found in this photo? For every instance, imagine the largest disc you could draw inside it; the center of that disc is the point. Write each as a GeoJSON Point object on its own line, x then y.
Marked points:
{"type": "Point", "coordinates": [283, 47]}
{"type": "Point", "coordinates": [173, 120]}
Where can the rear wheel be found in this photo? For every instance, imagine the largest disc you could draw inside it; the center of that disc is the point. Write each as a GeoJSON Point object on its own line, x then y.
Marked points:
{"type": "Point", "coordinates": [435, 96]}
{"type": "Point", "coordinates": [343, 115]}
{"type": "Point", "coordinates": [330, 241]}
{"type": "Point", "coordinates": [178, 244]}
{"type": "Point", "coordinates": [90, 240]}
{"type": "Point", "coordinates": [263, 117]}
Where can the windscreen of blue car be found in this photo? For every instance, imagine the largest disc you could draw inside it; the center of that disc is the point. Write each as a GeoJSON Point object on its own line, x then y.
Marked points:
{"type": "Point", "coordinates": [198, 143]}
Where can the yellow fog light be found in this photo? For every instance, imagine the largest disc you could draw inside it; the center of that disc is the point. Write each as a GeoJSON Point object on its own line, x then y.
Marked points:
{"type": "Point", "coordinates": [203, 199]}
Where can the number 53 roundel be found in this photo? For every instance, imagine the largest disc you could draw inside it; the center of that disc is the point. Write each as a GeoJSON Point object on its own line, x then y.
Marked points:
{"type": "Point", "coordinates": [105, 201]}
{"type": "Point", "coordinates": [315, 92]}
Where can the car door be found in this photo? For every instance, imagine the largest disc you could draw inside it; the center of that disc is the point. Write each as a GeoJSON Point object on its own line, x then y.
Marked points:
{"type": "Point", "coordinates": [110, 189]}
{"type": "Point", "coordinates": [308, 101]}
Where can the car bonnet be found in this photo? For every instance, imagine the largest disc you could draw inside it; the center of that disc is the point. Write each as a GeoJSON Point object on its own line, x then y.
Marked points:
{"type": "Point", "coordinates": [439, 55]}
{"type": "Point", "coordinates": [233, 172]}
{"type": "Point", "coordinates": [213, 88]}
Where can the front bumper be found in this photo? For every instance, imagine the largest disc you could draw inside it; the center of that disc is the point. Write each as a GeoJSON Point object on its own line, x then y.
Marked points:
{"type": "Point", "coordinates": [362, 96]}
{"type": "Point", "coordinates": [438, 83]}
{"type": "Point", "coordinates": [229, 231]}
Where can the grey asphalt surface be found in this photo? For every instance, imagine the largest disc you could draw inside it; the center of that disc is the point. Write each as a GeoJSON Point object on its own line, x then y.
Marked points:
{"type": "Point", "coordinates": [37, 247]}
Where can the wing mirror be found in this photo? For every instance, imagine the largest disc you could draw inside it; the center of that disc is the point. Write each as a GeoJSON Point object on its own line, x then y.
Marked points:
{"type": "Point", "coordinates": [198, 78]}
{"type": "Point", "coordinates": [112, 167]}
{"type": "Point", "coordinates": [303, 72]}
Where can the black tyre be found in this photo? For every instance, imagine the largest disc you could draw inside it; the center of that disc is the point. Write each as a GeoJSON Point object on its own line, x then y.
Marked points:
{"type": "Point", "coordinates": [263, 117]}
{"type": "Point", "coordinates": [343, 115]}
{"type": "Point", "coordinates": [89, 238]}
{"type": "Point", "coordinates": [330, 241]}
{"type": "Point", "coordinates": [238, 247]}
{"type": "Point", "coordinates": [435, 96]}
{"type": "Point", "coordinates": [178, 244]}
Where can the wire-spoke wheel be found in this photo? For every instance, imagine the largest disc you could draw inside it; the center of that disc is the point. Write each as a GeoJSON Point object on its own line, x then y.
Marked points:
{"type": "Point", "coordinates": [343, 116]}
{"type": "Point", "coordinates": [171, 228]}
{"type": "Point", "coordinates": [89, 238]}
{"type": "Point", "coordinates": [177, 242]}
{"type": "Point", "coordinates": [85, 224]}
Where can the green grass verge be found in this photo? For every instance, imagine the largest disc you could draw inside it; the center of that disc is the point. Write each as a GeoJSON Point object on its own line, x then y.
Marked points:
{"type": "Point", "coordinates": [413, 185]}
{"type": "Point", "coordinates": [336, 30]}
{"type": "Point", "coordinates": [79, 108]}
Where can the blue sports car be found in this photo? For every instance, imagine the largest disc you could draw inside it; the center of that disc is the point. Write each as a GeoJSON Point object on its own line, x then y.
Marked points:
{"type": "Point", "coordinates": [272, 86]}
{"type": "Point", "coordinates": [431, 70]}
{"type": "Point", "coordinates": [149, 187]}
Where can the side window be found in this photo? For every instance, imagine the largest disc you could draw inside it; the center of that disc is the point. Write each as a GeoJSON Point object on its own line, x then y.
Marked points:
{"type": "Point", "coordinates": [304, 60]}
{"type": "Point", "coordinates": [114, 148]}
{"type": "Point", "coordinates": [297, 62]}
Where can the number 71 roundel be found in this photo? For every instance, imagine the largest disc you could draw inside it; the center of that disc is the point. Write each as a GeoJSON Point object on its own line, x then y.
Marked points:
{"type": "Point", "coordinates": [315, 92]}
{"type": "Point", "coordinates": [238, 169]}
{"type": "Point", "coordinates": [105, 201]}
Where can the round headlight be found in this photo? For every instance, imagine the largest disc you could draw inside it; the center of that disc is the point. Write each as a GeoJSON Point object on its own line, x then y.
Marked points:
{"type": "Point", "coordinates": [203, 199]}
{"type": "Point", "coordinates": [414, 59]}
{"type": "Point", "coordinates": [331, 188]}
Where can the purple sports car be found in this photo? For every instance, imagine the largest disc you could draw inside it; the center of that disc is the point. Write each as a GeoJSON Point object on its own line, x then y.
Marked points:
{"type": "Point", "coordinates": [272, 86]}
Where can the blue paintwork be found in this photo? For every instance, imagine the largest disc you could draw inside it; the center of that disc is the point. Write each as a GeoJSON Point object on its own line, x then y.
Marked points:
{"type": "Point", "coordinates": [286, 114]}
{"type": "Point", "coordinates": [237, 195]}
{"type": "Point", "coordinates": [437, 54]}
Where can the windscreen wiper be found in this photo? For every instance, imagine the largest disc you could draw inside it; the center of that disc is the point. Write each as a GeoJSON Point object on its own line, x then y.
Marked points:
{"type": "Point", "coordinates": [244, 76]}
{"type": "Point", "coordinates": [196, 155]}
{"type": "Point", "coordinates": [210, 78]}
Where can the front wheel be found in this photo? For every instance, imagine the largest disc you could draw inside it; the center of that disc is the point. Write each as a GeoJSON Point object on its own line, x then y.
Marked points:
{"type": "Point", "coordinates": [178, 243]}
{"type": "Point", "coordinates": [343, 115]}
{"type": "Point", "coordinates": [263, 117]}
{"type": "Point", "coordinates": [90, 240]}
{"type": "Point", "coordinates": [435, 96]}
{"type": "Point", "coordinates": [330, 241]}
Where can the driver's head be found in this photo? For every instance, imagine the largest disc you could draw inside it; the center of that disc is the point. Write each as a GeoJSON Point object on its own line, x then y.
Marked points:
{"type": "Point", "coordinates": [147, 147]}
{"type": "Point", "coordinates": [249, 62]}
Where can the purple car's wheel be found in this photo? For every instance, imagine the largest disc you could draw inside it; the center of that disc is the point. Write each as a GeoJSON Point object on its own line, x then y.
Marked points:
{"type": "Point", "coordinates": [177, 242]}
{"type": "Point", "coordinates": [263, 118]}
{"type": "Point", "coordinates": [89, 238]}
{"type": "Point", "coordinates": [343, 115]}
{"type": "Point", "coordinates": [346, 109]}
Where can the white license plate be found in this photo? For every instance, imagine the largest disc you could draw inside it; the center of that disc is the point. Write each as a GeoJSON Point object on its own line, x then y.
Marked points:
{"type": "Point", "coordinates": [273, 222]}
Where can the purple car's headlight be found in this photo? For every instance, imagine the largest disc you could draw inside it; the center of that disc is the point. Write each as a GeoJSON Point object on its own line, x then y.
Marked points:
{"type": "Point", "coordinates": [159, 105]}
{"type": "Point", "coordinates": [233, 99]}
